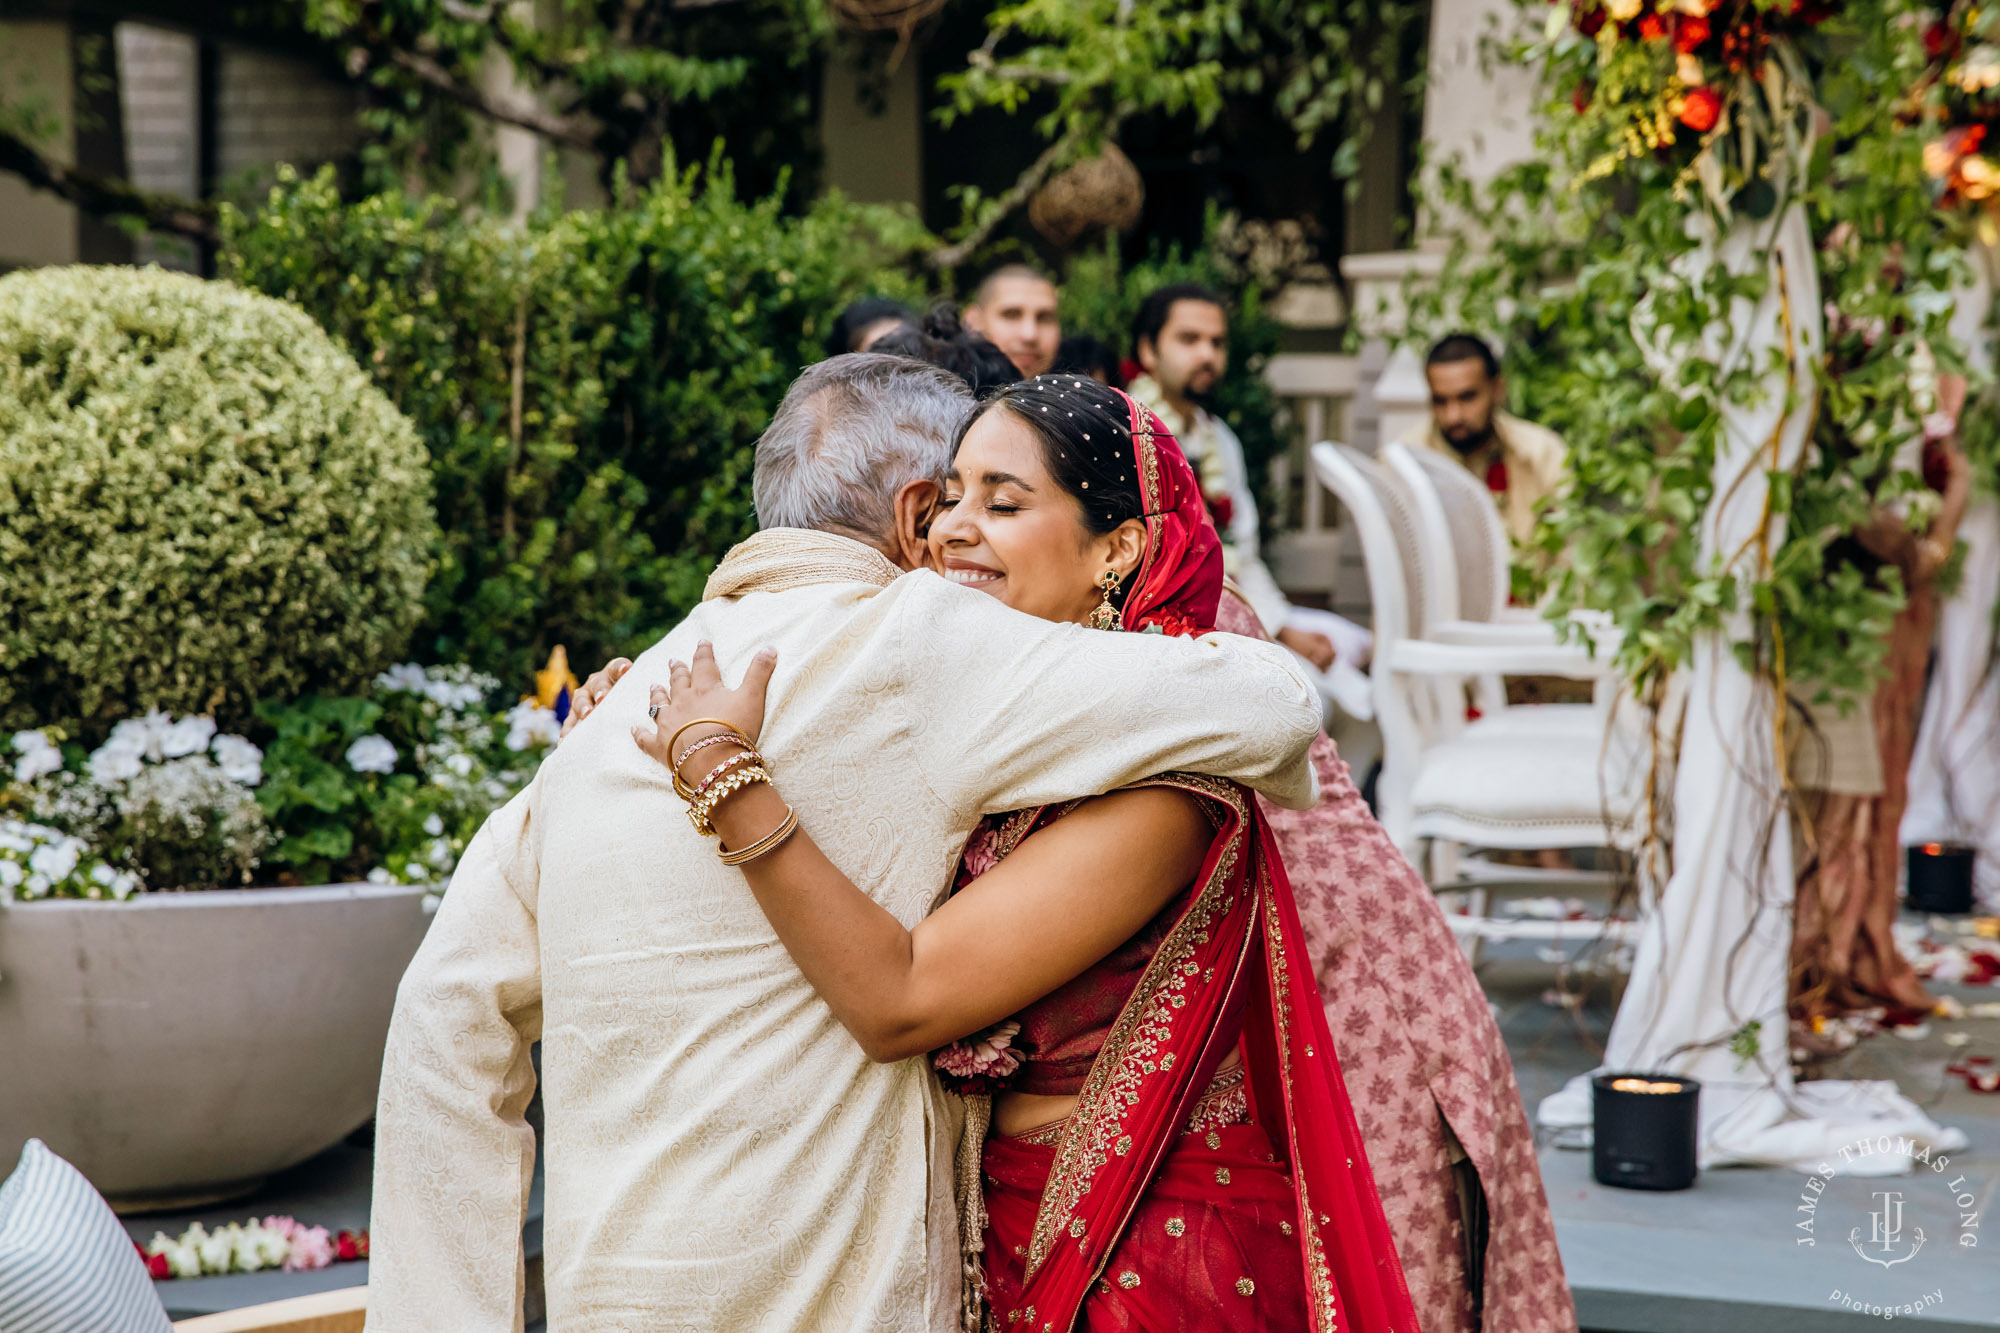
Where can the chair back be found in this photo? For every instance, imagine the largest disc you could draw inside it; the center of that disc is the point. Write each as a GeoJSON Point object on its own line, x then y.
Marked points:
{"type": "Point", "coordinates": [1406, 708]}
{"type": "Point", "coordinates": [1434, 540]}
{"type": "Point", "coordinates": [1472, 528]}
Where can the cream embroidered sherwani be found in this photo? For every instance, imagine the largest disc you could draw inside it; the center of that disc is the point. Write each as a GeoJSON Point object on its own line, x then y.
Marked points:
{"type": "Point", "coordinates": [721, 1154]}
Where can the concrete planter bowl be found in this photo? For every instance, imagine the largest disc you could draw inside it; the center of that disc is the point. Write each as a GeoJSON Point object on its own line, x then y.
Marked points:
{"type": "Point", "coordinates": [178, 1048]}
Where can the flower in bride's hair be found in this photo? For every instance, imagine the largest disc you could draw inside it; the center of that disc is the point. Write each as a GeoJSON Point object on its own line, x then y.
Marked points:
{"type": "Point", "coordinates": [1169, 622]}
{"type": "Point", "coordinates": [986, 1056]}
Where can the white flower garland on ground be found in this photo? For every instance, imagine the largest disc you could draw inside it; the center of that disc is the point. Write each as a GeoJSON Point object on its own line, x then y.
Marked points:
{"type": "Point", "coordinates": [250, 1246]}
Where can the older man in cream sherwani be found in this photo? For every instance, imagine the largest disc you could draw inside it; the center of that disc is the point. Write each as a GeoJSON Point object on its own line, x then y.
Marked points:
{"type": "Point", "coordinates": [721, 1154]}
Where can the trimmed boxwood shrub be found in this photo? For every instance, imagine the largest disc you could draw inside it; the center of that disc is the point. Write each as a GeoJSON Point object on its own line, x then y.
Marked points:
{"type": "Point", "coordinates": [204, 502]}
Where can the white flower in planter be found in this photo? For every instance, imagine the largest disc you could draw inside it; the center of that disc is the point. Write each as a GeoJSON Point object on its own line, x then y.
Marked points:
{"type": "Point", "coordinates": [39, 756]}
{"type": "Point", "coordinates": [121, 883]}
{"type": "Point", "coordinates": [118, 759]}
{"type": "Point", "coordinates": [142, 735]}
{"type": "Point", "coordinates": [239, 760]}
{"type": "Point", "coordinates": [451, 688]}
{"type": "Point", "coordinates": [381, 875]}
{"type": "Point", "coordinates": [11, 875]}
{"type": "Point", "coordinates": [190, 735]}
{"type": "Point", "coordinates": [55, 860]}
{"type": "Point", "coordinates": [372, 754]}
{"type": "Point", "coordinates": [434, 825]}
{"type": "Point", "coordinates": [405, 676]}
{"type": "Point", "coordinates": [530, 724]}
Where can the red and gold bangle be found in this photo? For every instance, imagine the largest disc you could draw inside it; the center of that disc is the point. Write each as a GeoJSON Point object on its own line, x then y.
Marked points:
{"type": "Point", "coordinates": [681, 787]}
{"type": "Point", "coordinates": [728, 728]}
{"type": "Point", "coordinates": [737, 760]}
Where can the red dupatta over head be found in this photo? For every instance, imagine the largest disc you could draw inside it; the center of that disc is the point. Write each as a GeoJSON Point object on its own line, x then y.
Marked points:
{"type": "Point", "coordinates": [1238, 942]}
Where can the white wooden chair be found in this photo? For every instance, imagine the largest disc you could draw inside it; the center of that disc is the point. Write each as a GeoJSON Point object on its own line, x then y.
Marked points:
{"type": "Point", "coordinates": [1463, 546]}
{"type": "Point", "coordinates": [1520, 784]}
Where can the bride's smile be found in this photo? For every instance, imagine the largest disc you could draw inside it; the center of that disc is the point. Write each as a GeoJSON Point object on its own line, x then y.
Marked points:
{"type": "Point", "coordinates": [1010, 526]}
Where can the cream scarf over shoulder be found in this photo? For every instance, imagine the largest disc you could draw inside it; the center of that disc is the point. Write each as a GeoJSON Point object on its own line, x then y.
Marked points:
{"type": "Point", "coordinates": [778, 559]}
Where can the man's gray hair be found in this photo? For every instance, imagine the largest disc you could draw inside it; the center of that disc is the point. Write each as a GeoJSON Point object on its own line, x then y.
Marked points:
{"type": "Point", "coordinates": [852, 431]}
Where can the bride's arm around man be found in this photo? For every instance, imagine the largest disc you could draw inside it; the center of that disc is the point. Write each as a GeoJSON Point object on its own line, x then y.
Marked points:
{"type": "Point", "coordinates": [719, 1150]}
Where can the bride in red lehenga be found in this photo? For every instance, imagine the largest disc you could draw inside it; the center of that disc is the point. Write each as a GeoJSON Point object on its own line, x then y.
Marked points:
{"type": "Point", "coordinates": [1172, 1145]}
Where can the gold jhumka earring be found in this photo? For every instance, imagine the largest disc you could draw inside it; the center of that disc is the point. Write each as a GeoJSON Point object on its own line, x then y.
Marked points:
{"type": "Point", "coordinates": [1104, 615]}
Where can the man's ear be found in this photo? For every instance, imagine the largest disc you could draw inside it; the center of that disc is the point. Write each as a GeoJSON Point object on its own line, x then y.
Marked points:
{"type": "Point", "coordinates": [916, 506]}
{"type": "Point", "coordinates": [1146, 353]}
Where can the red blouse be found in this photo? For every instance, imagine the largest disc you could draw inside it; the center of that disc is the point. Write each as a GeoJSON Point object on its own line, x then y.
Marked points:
{"type": "Point", "coordinates": [1060, 1034]}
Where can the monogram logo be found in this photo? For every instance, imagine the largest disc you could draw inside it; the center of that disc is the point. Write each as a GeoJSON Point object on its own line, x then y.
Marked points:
{"type": "Point", "coordinates": [1931, 1192]}
{"type": "Point", "coordinates": [1885, 1245]}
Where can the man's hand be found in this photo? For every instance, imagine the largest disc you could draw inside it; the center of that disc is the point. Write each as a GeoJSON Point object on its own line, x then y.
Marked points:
{"type": "Point", "coordinates": [593, 691]}
{"type": "Point", "coordinates": [1315, 648]}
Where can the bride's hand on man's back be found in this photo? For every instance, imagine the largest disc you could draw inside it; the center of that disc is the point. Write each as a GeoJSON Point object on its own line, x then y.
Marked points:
{"type": "Point", "coordinates": [591, 693]}
{"type": "Point", "coordinates": [695, 693]}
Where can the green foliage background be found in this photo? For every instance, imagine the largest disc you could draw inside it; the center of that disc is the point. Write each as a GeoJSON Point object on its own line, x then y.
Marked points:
{"type": "Point", "coordinates": [646, 346]}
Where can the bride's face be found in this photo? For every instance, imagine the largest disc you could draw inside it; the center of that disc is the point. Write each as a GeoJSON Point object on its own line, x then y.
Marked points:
{"type": "Point", "coordinates": [1008, 528]}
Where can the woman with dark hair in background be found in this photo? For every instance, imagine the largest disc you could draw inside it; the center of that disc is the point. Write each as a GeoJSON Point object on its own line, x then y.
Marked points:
{"type": "Point", "coordinates": [865, 322]}
{"type": "Point", "coordinates": [1081, 354]}
{"type": "Point", "coordinates": [945, 343]}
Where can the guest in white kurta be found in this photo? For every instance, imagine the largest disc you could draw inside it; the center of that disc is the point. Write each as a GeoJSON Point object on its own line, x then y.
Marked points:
{"type": "Point", "coordinates": [721, 1153]}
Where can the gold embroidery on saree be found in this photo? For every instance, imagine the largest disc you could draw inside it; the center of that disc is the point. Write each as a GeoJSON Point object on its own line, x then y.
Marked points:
{"type": "Point", "coordinates": [1318, 1273]}
{"type": "Point", "coordinates": [1112, 1087]}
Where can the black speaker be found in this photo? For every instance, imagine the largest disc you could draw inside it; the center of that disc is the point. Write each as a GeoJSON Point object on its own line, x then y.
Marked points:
{"type": "Point", "coordinates": [1646, 1129]}
{"type": "Point", "coordinates": [1940, 878]}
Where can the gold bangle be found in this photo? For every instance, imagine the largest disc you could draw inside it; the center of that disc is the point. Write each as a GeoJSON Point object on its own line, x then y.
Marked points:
{"type": "Point", "coordinates": [701, 810]}
{"type": "Point", "coordinates": [730, 727]}
{"type": "Point", "coordinates": [764, 845]}
{"type": "Point", "coordinates": [682, 788]}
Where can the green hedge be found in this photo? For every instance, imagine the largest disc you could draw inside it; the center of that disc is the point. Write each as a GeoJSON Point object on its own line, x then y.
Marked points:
{"type": "Point", "coordinates": [590, 386]}
{"type": "Point", "coordinates": [203, 503]}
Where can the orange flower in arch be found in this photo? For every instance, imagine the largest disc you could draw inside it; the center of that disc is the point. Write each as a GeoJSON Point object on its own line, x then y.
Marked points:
{"type": "Point", "coordinates": [1701, 109]}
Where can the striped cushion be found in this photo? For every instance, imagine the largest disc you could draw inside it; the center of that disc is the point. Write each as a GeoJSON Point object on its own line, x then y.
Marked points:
{"type": "Point", "coordinates": [66, 1265]}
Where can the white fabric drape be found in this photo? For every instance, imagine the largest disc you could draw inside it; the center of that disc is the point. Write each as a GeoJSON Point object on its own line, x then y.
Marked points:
{"type": "Point", "coordinates": [1714, 954]}
{"type": "Point", "coordinates": [1955, 774]}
